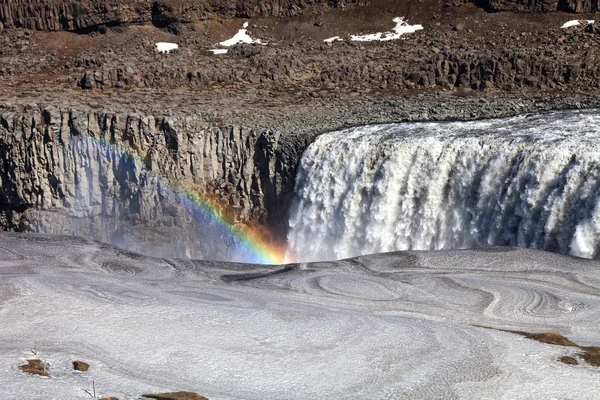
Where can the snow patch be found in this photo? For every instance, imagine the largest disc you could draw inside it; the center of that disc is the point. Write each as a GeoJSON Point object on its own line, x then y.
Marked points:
{"type": "Point", "coordinates": [241, 36]}
{"type": "Point", "coordinates": [219, 51]}
{"type": "Point", "coordinates": [402, 27]}
{"type": "Point", "coordinates": [575, 22]}
{"type": "Point", "coordinates": [165, 47]}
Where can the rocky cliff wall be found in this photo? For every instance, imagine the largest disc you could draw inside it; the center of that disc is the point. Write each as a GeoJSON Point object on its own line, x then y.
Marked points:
{"type": "Point", "coordinates": [571, 6]}
{"type": "Point", "coordinates": [123, 178]}
{"type": "Point", "coordinates": [82, 15]}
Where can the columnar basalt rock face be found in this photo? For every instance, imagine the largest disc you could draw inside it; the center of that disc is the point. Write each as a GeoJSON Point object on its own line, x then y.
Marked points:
{"type": "Point", "coordinates": [73, 15]}
{"type": "Point", "coordinates": [122, 178]}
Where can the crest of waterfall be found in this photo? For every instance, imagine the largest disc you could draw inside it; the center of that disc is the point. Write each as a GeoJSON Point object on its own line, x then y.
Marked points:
{"type": "Point", "coordinates": [529, 181]}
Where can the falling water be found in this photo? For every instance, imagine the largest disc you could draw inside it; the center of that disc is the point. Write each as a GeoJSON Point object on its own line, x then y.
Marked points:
{"type": "Point", "coordinates": [529, 181]}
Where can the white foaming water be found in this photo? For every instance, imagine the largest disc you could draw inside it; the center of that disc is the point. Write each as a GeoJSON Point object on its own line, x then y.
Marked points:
{"type": "Point", "coordinates": [529, 181]}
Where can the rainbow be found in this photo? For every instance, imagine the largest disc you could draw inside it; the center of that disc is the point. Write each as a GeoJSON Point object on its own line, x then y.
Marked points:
{"type": "Point", "coordinates": [256, 246]}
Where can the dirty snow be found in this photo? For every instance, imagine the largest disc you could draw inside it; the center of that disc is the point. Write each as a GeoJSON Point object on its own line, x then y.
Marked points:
{"type": "Point", "coordinates": [165, 47]}
{"type": "Point", "coordinates": [398, 325]}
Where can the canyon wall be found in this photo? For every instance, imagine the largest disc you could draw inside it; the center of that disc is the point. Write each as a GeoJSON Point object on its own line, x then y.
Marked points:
{"type": "Point", "coordinates": [124, 178]}
{"type": "Point", "coordinates": [84, 15]}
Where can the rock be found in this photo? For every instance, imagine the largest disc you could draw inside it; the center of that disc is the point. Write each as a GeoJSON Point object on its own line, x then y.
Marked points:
{"type": "Point", "coordinates": [88, 82]}
{"type": "Point", "coordinates": [80, 366]}
{"type": "Point", "coordinates": [176, 396]}
{"type": "Point", "coordinates": [36, 367]}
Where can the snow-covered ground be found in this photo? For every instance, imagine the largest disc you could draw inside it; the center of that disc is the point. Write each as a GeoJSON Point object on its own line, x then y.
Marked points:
{"type": "Point", "coordinates": [390, 326]}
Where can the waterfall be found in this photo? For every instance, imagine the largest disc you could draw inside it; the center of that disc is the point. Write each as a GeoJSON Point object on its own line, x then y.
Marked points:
{"type": "Point", "coordinates": [529, 181]}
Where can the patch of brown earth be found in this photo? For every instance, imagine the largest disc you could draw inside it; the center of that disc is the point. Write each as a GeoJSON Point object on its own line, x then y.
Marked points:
{"type": "Point", "coordinates": [591, 354]}
{"type": "Point", "coordinates": [176, 396]}
{"type": "Point", "coordinates": [547, 337]}
{"type": "Point", "coordinates": [36, 367]}
{"type": "Point", "coordinates": [568, 360]}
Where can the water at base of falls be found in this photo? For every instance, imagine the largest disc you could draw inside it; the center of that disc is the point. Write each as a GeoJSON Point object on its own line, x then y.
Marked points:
{"type": "Point", "coordinates": [529, 181]}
